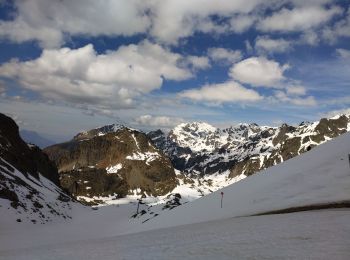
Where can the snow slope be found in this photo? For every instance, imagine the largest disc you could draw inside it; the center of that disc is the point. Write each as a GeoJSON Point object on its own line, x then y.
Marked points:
{"type": "Point", "coordinates": [321, 175]}
{"type": "Point", "coordinates": [37, 200]}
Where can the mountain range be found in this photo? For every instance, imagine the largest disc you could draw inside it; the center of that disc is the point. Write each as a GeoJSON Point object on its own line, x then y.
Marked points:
{"type": "Point", "coordinates": [114, 161]}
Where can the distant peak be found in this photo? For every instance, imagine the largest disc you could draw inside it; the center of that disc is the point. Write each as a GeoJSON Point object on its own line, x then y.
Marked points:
{"type": "Point", "coordinates": [100, 131]}
{"type": "Point", "coordinates": [197, 126]}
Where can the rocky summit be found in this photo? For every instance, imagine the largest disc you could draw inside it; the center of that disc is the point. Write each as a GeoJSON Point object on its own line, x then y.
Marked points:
{"type": "Point", "coordinates": [113, 160]}
{"type": "Point", "coordinates": [29, 181]}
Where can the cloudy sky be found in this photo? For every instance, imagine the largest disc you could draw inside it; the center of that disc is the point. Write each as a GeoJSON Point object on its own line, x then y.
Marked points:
{"type": "Point", "coordinates": [66, 66]}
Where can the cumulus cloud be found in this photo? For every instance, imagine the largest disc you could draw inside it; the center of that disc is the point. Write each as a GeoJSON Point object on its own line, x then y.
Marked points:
{"type": "Point", "coordinates": [265, 44]}
{"type": "Point", "coordinates": [52, 23]}
{"type": "Point", "coordinates": [228, 92]}
{"type": "Point", "coordinates": [339, 29]}
{"type": "Point", "coordinates": [48, 21]}
{"type": "Point", "coordinates": [343, 53]}
{"type": "Point", "coordinates": [223, 55]}
{"type": "Point", "coordinates": [167, 20]}
{"type": "Point", "coordinates": [295, 99]}
{"type": "Point", "coordinates": [298, 19]}
{"type": "Point", "coordinates": [296, 90]}
{"type": "Point", "coordinates": [158, 121]}
{"type": "Point", "coordinates": [345, 111]}
{"type": "Point", "coordinates": [83, 76]}
{"type": "Point", "coordinates": [241, 23]}
{"type": "Point", "coordinates": [309, 37]}
{"type": "Point", "coordinates": [175, 19]}
{"type": "Point", "coordinates": [258, 72]}
{"type": "Point", "coordinates": [198, 62]}
{"type": "Point", "coordinates": [2, 88]}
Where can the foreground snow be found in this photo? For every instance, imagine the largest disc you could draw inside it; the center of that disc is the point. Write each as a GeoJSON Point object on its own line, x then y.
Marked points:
{"type": "Point", "coordinates": [304, 235]}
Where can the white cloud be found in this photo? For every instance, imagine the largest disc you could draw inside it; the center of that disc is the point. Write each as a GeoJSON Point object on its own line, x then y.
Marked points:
{"type": "Point", "coordinates": [258, 71]}
{"type": "Point", "coordinates": [158, 121]}
{"type": "Point", "coordinates": [47, 21]}
{"type": "Point", "coordinates": [167, 20]}
{"type": "Point", "coordinates": [224, 55]}
{"type": "Point", "coordinates": [2, 88]}
{"type": "Point", "coordinates": [310, 38]}
{"type": "Point", "coordinates": [114, 78]}
{"type": "Point", "coordinates": [345, 111]}
{"type": "Point", "coordinates": [343, 53]}
{"type": "Point", "coordinates": [295, 100]}
{"type": "Point", "coordinates": [228, 92]}
{"type": "Point", "coordinates": [296, 90]}
{"type": "Point", "coordinates": [176, 19]}
{"type": "Point", "coordinates": [198, 62]}
{"type": "Point", "coordinates": [339, 29]}
{"type": "Point", "coordinates": [298, 19]}
{"type": "Point", "coordinates": [52, 23]}
{"type": "Point", "coordinates": [248, 46]}
{"type": "Point", "coordinates": [266, 44]}
{"type": "Point", "coordinates": [242, 23]}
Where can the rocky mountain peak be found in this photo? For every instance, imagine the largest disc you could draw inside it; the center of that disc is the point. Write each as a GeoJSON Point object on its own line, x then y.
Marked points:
{"type": "Point", "coordinates": [29, 181]}
{"type": "Point", "coordinates": [28, 159]}
{"type": "Point", "coordinates": [197, 136]}
{"type": "Point", "coordinates": [245, 148]}
{"type": "Point", "coordinates": [100, 131]}
{"type": "Point", "coordinates": [112, 161]}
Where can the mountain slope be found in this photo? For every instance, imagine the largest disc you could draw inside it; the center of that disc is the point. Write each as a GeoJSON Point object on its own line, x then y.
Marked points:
{"type": "Point", "coordinates": [29, 181]}
{"type": "Point", "coordinates": [320, 176]}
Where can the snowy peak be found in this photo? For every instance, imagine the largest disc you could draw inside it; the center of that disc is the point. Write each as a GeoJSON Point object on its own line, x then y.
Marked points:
{"type": "Point", "coordinates": [200, 149]}
{"type": "Point", "coordinates": [203, 137]}
{"type": "Point", "coordinates": [199, 127]}
{"type": "Point", "coordinates": [197, 136]}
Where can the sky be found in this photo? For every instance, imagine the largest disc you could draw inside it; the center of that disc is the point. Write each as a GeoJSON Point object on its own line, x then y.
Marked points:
{"type": "Point", "coordinates": [68, 66]}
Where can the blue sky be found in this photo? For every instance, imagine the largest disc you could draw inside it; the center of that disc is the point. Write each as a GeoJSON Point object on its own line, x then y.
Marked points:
{"type": "Point", "coordinates": [67, 66]}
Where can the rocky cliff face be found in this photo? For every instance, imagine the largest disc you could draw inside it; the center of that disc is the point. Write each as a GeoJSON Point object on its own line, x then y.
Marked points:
{"type": "Point", "coordinates": [29, 181]}
{"type": "Point", "coordinates": [200, 149]}
{"type": "Point", "coordinates": [112, 160]}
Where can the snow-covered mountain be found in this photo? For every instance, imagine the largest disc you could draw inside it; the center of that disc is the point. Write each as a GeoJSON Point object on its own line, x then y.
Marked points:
{"type": "Point", "coordinates": [29, 181]}
{"type": "Point", "coordinates": [201, 149]}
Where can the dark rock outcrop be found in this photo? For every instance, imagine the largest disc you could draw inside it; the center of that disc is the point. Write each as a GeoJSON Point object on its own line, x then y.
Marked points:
{"type": "Point", "coordinates": [29, 181]}
{"type": "Point", "coordinates": [28, 159]}
{"type": "Point", "coordinates": [112, 160]}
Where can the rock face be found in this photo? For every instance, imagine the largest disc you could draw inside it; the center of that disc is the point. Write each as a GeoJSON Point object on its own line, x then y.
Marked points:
{"type": "Point", "coordinates": [29, 181]}
{"type": "Point", "coordinates": [27, 159]}
{"type": "Point", "coordinates": [200, 149]}
{"type": "Point", "coordinates": [112, 160]}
